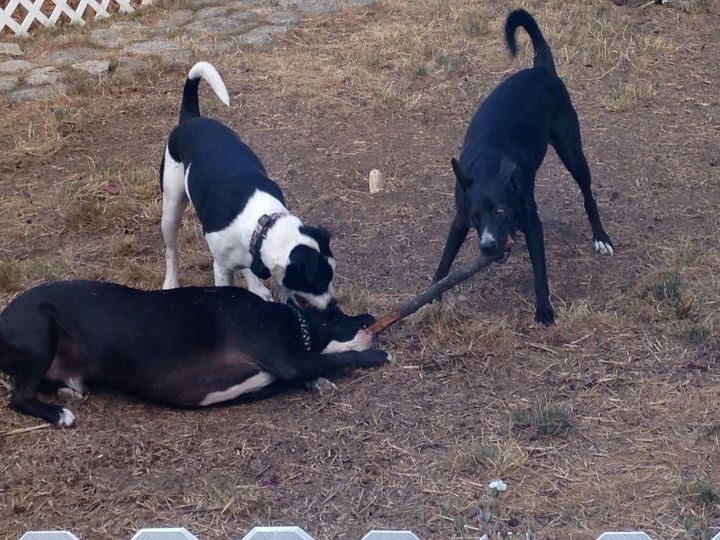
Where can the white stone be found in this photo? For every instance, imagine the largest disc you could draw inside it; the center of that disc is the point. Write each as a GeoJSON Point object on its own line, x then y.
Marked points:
{"type": "Point", "coordinates": [93, 67]}
{"type": "Point", "coordinates": [15, 66]}
{"type": "Point", "coordinates": [8, 82]}
{"type": "Point", "coordinates": [262, 35]}
{"type": "Point", "coordinates": [72, 55]}
{"type": "Point", "coordinates": [375, 181]}
{"type": "Point", "coordinates": [10, 49]}
{"type": "Point", "coordinates": [130, 67]}
{"type": "Point", "coordinates": [639, 535]}
{"type": "Point", "coordinates": [312, 7]}
{"type": "Point", "coordinates": [390, 535]}
{"type": "Point", "coordinates": [43, 76]}
{"type": "Point", "coordinates": [169, 50]}
{"type": "Point", "coordinates": [37, 93]}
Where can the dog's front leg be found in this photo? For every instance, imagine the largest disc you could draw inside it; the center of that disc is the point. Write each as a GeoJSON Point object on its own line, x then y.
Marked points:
{"type": "Point", "coordinates": [223, 276]}
{"type": "Point", "coordinates": [544, 313]}
{"type": "Point", "coordinates": [255, 286]}
{"type": "Point", "coordinates": [458, 232]}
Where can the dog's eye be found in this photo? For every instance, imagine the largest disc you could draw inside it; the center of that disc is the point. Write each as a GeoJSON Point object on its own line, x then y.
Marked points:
{"type": "Point", "coordinates": [500, 212]}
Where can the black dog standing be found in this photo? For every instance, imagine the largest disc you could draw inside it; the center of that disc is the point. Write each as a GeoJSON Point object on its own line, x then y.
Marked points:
{"type": "Point", "coordinates": [504, 146]}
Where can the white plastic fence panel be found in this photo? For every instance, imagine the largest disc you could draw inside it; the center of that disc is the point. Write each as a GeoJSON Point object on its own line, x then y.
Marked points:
{"type": "Point", "coordinates": [277, 533]}
{"type": "Point", "coordinates": [390, 535]}
{"type": "Point", "coordinates": [48, 535]}
{"type": "Point", "coordinates": [178, 533]}
{"type": "Point", "coordinates": [639, 535]}
{"type": "Point", "coordinates": [716, 537]}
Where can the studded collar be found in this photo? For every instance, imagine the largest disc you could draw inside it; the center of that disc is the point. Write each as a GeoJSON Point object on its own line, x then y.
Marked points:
{"type": "Point", "coordinates": [264, 224]}
{"type": "Point", "coordinates": [304, 328]}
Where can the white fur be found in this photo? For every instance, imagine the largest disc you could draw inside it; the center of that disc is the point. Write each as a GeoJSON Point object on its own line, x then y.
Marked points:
{"type": "Point", "coordinates": [255, 285]}
{"type": "Point", "coordinates": [67, 419]}
{"type": "Point", "coordinates": [175, 200]}
{"type": "Point", "coordinates": [487, 237]}
{"type": "Point", "coordinates": [251, 384]}
{"type": "Point", "coordinates": [208, 72]}
{"type": "Point", "coordinates": [361, 342]}
{"type": "Point", "coordinates": [74, 390]}
{"type": "Point", "coordinates": [603, 248]}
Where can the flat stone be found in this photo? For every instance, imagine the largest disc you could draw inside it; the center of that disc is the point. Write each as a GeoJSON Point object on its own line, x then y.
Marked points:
{"type": "Point", "coordinates": [44, 76]}
{"type": "Point", "coordinates": [360, 3]}
{"type": "Point", "coordinates": [312, 7]}
{"type": "Point", "coordinates": [169, 50]}
{"type": "Point", "coordinates": [72, 55]}
{"type": "Point", "coordinates": [117, 35]}
{"type": "Point", "coordinates": [128, 68]}
{"type": "Point", "coordinates": [174, 19]}
{"type": "Point", "coordinates": [8, 82]}
{"type": "Point", "coordinates": [208, 12]}
{"type": "Point", "coordinates": [10, 49]}
{"type": "Point", "coordinates": [15, 66]}
{"type": "Point", "coordinates": [283, 18]}
{"type": "Point", "coordinates": [36, 93]}
{"type": "Point", "coordinates": [262, 35]}
{"type": "Point", "coordinates": [93, 67]}
{"type": "Point", "coordinates": [236, 23]}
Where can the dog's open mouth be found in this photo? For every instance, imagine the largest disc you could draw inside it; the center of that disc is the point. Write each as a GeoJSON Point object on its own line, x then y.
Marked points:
{"type": "Point", "coordinates": [300, 302]}
{"type": "Point", "coordinates": [508, 249]}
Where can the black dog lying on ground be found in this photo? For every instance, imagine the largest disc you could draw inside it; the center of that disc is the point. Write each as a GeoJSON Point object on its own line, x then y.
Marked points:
{"type": "Point", "coordinates": [189, 347]}
{"type": "Point", "coordinates": [504, 146]}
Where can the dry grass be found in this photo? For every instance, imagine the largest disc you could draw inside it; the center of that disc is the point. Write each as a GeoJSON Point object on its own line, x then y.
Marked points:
{"type": "Point", "coordinates": [617, 421]}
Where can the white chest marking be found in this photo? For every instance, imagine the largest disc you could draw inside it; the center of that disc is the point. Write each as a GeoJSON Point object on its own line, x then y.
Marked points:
{"type": "Point", "coordinates": [251, 384]}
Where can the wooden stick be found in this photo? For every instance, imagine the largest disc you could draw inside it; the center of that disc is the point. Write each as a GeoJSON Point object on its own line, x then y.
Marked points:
{"type": "Point", "coordinates": [449, 281]}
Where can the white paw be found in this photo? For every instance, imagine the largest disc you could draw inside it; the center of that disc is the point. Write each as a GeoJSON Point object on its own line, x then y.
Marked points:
{"type": "Point", "coordinates": [323, 386]}
{"type": "Point", "coordinates": [70, 394]}
{"type": "Point", "coordinates": [390, 358]}
{"type": "Point", "coordinates": [67, 419]}
{"type": "Point", "coordinates": [603, 248]}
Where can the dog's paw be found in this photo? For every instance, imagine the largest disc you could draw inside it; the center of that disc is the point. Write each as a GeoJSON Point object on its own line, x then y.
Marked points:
{"type": "Point", "coordinates": [374, 358]}
{"type": "Point", "coordinates": [545, 315]}
{"type": "Point", "coordinates": [603, 247]}
{"type": "Point", "coordinates": [67, 394]}
{"type": "Point", "coordinates": [323, 387]}
{"type": "Point", "coordinates": [66, 419]}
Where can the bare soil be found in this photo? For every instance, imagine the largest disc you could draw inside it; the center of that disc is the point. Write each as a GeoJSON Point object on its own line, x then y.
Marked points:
{"type": "Point", "coordinates": [608, 420]}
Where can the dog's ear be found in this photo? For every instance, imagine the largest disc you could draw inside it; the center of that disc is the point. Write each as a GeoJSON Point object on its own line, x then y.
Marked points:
{"type": "Point", "coordinates": [321, 235]}
{"type": "Point", "coordinates": [507, 168]}
{"type": "Point", "coordinates": [465, 180]}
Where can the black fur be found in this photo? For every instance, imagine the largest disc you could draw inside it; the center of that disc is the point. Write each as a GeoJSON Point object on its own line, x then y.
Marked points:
{"type": "Point", "coordinates": [504, 146]}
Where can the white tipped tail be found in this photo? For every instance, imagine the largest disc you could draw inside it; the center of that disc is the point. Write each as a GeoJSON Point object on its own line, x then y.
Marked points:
{"type": "Point", "coordinates": [207, 71]}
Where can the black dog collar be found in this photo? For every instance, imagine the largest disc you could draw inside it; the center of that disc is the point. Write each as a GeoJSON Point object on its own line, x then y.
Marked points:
{"type": "Point", "coordinates": [258, 237]}
{"type": "Point", "coordinates": [304, 328]}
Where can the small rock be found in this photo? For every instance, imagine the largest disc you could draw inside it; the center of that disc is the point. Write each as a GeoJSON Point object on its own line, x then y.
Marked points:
{"type": "Point", "coordinates": [208, 12]}
{"type": "Point", "coordinates": [283, 18]}
{"type": "Point", "coordinates": [72, 55]}
{"type": "Point", "coordinates": [36, 93]}
{"type": "Point", "coordinates": [44, 76]}
{"type": "Point", "coordinates": [15, 66]}
{"type": "Point", "coordinates": [93, 67]}
{"type": "Point", "coordinates": [8, 82]}
{"type": "Point", "coordinates": [375, 180]}
{"type": "Point", "coordinates": [10, 49]}
{"type": "Point", "coordinates": [174, 19]}
{"type": "Point", "coordinates": [262, 35]}
{"type": "Point", "coordinates": [169, 50]}
{"type": "Point", "coordinates": [117, 35]}
{"type": "Point", "coordinates": [360, 3]}
{"type": "Point", "coordinates": [237, 23]}
{"type": "Point", "coordinates": [128, 68]}
{"type": "Point", "coordinates": [312, 7]}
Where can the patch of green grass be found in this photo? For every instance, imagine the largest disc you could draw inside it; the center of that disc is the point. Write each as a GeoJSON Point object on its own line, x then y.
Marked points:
{"type": "Point", "coordinates": [544, 419]}
{"type": "Point", "coordinates": [708, 494]}
{"type": "Point", "coordinates": [667, 292]}
{"type": "Point", "coordinates": [696, 333]}
{"type": "Point", "coordinates": [420, 71]}
{"type": "Point", "coordinates": [10, 276]}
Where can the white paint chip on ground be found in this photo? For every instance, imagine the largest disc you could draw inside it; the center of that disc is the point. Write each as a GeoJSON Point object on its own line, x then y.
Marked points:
{"type": "Point", "coordinates": [375, 181]}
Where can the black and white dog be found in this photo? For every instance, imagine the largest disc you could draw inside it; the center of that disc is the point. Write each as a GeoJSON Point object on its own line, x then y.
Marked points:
{"type": "Point", "coordinates": [242, 211]}
{"type": "Point", "coordinates": [504, 146]}
{"type": "Point", "coordinates": [187, 347]}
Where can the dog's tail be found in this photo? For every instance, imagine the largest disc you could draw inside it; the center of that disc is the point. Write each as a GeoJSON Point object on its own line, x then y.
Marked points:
{"type": "Point", "coordinates": [543, 55]}
{"type": "Point", "coordinates": [190, 107]}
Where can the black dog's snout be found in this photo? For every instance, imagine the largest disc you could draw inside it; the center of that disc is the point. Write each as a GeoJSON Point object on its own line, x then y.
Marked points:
{"type": "Point", "coordinates": [488, 247]}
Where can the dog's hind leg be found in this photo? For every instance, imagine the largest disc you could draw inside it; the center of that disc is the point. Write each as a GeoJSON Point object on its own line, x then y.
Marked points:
{"type": "Point", "coordinates": [458, 232]}
{"type": "Point", "coordinates": [565, 138]}
{"type": "Point", "coordinates": [174, 202]}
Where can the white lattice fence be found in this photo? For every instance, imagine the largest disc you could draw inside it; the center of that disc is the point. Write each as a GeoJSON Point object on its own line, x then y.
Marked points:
{"type": "Point", "coordinates": [290, 533]}
{"type": "Point", "coordinates": [18, 16]}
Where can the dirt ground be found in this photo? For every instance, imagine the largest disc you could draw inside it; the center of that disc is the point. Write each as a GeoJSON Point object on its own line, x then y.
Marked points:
{"type": "Point", "coordinates": [608, 420]}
